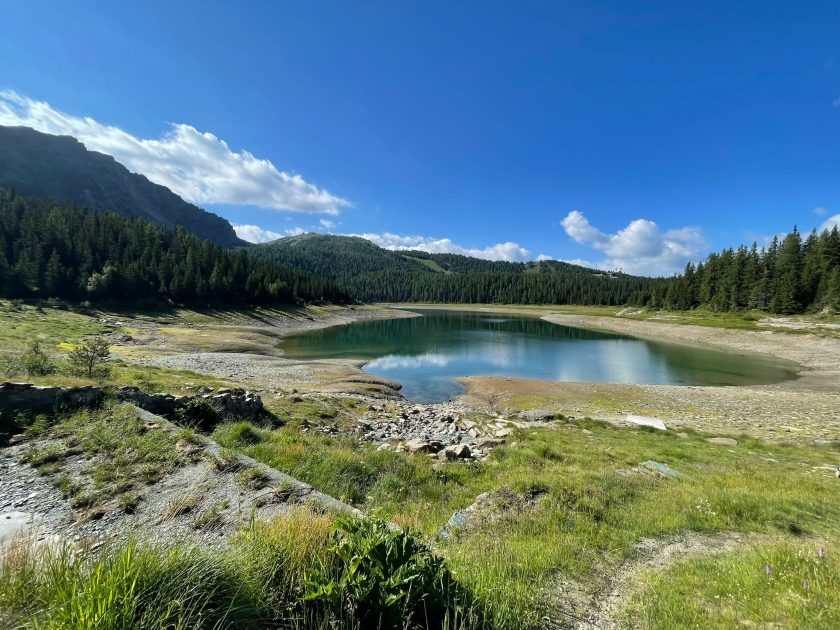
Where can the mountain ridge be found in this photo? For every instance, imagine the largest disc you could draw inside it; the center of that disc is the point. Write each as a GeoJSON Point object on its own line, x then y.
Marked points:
{"type": "Point", "coordinates": [63, 168]}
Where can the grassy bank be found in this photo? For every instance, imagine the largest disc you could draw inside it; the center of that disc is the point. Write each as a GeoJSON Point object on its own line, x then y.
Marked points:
{"type": "Point", "coordinates": [594, 502]}
{"type": "Point", "coordinates": [302, 570]}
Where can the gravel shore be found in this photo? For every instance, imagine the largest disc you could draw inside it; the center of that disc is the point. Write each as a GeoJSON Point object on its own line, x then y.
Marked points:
{"type": "Point", "coordinates": [806, 408]}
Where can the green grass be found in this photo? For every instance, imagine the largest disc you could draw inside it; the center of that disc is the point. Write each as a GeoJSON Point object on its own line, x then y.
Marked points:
{"type": "Point", "coordinates": [783, 584]}
{"type": "Point", "coordinates": [259, 581]}
{"type": "Point", "coordinates": [337, 466]}
{"type": "Point", "coordinates": [596, 507]}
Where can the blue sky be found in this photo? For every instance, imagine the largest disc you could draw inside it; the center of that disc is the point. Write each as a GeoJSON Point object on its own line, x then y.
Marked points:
{"type": "Point", "coordinates": [631, 134]}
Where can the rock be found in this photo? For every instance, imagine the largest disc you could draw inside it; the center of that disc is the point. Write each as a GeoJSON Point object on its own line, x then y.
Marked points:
{"type": "Point", "coordinates": [384, 447]}
{"type": "Point", "coordinates": [503, 433]}
{"type": "Point", "coordinates": [447, 455]}
{"type": "Point", "coordinates": [662, 469]}
{"type": "Point", "coordinates": [489, 443]}
{"type": "Point", "coordinates": [456, 451]}
{"type": "Point", "coordinates": [537, 415]}
{"type": "Point", "coordinates": [422, 446]}
{"type": "Point", "coordinates": [723, 441]}
{"type": "Point", "coordinates": [645, 421]}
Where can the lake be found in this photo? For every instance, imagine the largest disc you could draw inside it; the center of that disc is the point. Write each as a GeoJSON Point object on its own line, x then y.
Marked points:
{"type": "Point", "coordinates": [426, 353]}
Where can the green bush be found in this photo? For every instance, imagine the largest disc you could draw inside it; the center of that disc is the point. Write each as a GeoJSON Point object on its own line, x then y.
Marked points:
{"type": "Point", "coordinates": [33, 362]}
{"type": "Point", "coordinates": [384, 578]}
{"type": "Point", "coordinates": [199, 413]}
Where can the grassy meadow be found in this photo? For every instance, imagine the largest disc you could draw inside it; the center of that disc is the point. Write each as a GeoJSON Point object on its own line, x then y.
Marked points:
{"type": "Point", "coordinates": [595, 503]}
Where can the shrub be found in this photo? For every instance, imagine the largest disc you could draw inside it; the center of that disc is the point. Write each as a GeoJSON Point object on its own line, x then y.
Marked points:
{"type": "Point", "coordinates": [33, 362]}
{"type": "Point", "coordinates": [383, 578]}
{"type": "Point", "coordinates": [199, 413]}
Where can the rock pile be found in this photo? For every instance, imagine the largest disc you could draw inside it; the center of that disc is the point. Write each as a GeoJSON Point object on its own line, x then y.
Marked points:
{"type": "Point", "coordinates": [436, 430]}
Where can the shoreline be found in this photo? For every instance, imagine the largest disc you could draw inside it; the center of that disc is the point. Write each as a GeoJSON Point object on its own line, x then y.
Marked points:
{"type": "Point", "coordinates": [807, 406]}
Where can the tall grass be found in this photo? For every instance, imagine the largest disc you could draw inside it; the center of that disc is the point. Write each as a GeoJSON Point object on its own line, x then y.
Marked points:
{"type": "Point", "coordinates": [132, 586]}
{"type": "Point", "coordinates": [261, 581]}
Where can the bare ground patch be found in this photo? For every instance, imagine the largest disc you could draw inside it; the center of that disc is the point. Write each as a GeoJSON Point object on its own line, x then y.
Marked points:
{"type": "Point", "coordinates": [597, 605]}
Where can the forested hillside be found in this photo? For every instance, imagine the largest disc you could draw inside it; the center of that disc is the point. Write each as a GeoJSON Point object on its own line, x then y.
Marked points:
{"type": "Point", "coordinates": [56, 249]}
{"type": "Point", "coordinates": [790, 276]}
{"type": "Point", "coordinates": [372, 274]}
{"type": "Point", "coordinates": [60, 167]}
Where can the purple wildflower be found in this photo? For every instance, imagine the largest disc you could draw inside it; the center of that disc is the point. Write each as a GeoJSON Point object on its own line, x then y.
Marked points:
{"type": "Point", "coordinates": [821, 553]}
{"type": "Point", "coordinates": [768, 570]}
{"type": "Point", "coordinates": [806, 585]}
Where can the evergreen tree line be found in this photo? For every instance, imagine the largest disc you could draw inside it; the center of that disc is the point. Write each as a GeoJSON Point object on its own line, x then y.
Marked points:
{"type": "Point", "coordinates": [373, 274]}
{"type": "Point", "coordinates": [789, 276]}
{"type": "Point", "coordinates": [55, 249]}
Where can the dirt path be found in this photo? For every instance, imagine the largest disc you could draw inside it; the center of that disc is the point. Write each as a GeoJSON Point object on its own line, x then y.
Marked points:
{"type": "Point", "coordinates": [600, 608]}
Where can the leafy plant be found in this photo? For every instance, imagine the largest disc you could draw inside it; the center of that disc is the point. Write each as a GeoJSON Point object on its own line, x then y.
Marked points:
{"type": "Point", "coordinates": [382, 578]}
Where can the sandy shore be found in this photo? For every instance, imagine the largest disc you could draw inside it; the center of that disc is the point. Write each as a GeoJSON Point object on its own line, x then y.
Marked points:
{"type": "Point", "coordinates": [805, 408]}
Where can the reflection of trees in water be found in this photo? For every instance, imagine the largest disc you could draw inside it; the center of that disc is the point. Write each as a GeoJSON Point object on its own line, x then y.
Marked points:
{"type": "Point", "coordinates": [452, 332]}
{"type": "Point", "coordinates": [417, 335]}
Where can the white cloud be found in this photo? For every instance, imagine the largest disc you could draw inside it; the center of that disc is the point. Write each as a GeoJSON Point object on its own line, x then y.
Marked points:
{"type": "Point", "coordinates": [500, 251]}
{"type": "Point", "coordinates": [830, 223]}
{"type": "Point", "coordinates": [639, 248]}
{"type": "Point", "coordinates": [327, 224]}
{"type": "Point", "coordinates": [196, 165]}
{"type": "Point", "coordinates": [820, 211]}
{"type": "Point", "coordinates": [256, 234]}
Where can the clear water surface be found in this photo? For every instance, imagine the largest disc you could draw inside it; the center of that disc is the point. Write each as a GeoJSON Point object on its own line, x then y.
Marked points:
{"type": "Point", "coordinates": [426, 353]}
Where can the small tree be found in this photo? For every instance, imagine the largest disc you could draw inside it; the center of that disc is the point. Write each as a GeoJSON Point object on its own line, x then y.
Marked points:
{"type": "Point", "coordinates": [89, 354]}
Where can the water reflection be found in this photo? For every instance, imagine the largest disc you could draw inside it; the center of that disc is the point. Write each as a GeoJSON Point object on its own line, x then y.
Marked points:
{"type": "Point", "coordinates": [426, 353]}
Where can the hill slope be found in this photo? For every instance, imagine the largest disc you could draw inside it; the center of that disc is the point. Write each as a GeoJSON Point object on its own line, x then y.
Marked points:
{"type": "Point", "coordinates": [60, 167]}
{"type": "Point", "coordinates": [371, 273]}
{"type": "Point", "coordinates": [57, 249]}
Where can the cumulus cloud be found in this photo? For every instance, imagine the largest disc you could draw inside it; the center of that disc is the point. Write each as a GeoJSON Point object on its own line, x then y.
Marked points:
{"type": "Point", "coordinates": [327, 224]}
{"type": "Point", "coordinates": [831, 222]}
{"type": "Point", "coordinates": [197, 165]}
{"type": "Point", "coordinates": [512, 252]}
{"type": "Point", "coordinates": [256, 234]}
{"type": "Point", "coordinates": [639, 248]}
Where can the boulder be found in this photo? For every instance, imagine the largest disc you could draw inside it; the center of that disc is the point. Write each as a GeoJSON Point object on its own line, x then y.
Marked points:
{"type": "Point", "coordinates": [662, 469]}
{"type": "Point", "coordinates": [645, 421]}
{"type": "Point", "coordinates": [422, 446]}
{"type": "Point", "coordinates": [537, 415]}
{"type": "Point", "coordinates": [488, 443]}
